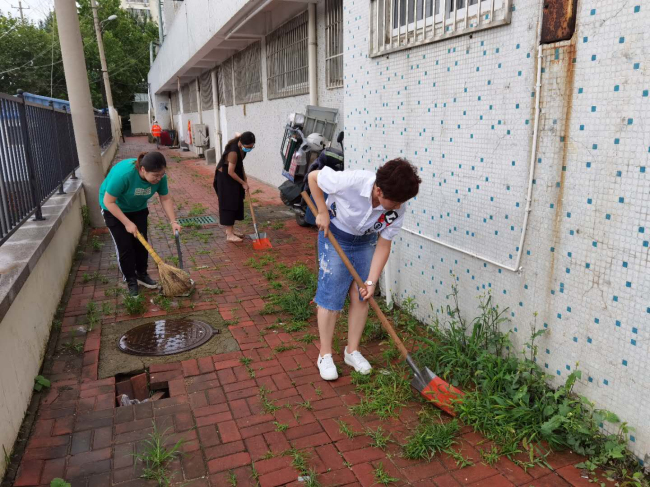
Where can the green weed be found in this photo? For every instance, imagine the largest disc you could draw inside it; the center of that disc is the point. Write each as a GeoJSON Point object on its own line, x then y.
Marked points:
{"type": "Point", "coordinates": [344, 429]}
{"type": "Point", "coordinates": [41, 382]}
{"type": "Point", "coordinates": [280, 427]}
{"type": "Point", "coordinates": [197, 210]}
{"type": "Point", "coordinates": [96, 244]}
{"type": "Point", "coordinates": [162, 302]}
{"type": "Point", "coordinates": [429, 439]}
{"type": "Point", "coordinates": [135, 305]}
{"type": "Point", "coordinates": [156, 457]}
{"type": "Point", "coordinates": [379, 438]}
{"type": "Point", "coordinates": [385, 392]}
{"type": "Point", "coordinates": [382, 477]}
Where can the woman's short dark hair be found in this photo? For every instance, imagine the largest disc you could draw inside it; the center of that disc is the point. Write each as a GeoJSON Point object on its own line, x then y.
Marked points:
{"type": "Point", "coordinates": [151, 161]}
{"type": "Point", "coordinates": [398, 180]}
{"type": "Point", "coordinates": [247, 138]}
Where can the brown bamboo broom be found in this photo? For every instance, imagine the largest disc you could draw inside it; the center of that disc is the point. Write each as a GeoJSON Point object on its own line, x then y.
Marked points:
{"type": "Point", "coordinates": [174, 282]}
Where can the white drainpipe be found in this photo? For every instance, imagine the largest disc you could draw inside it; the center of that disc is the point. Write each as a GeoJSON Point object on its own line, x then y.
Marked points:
{"type": "Point", "coordinates": [180, 110]}
{"type": "Point", "coordinates": [313, 67]}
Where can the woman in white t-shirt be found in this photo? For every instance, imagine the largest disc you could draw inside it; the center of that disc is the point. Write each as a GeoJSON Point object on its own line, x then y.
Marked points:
{"type": "Point", "coordinates": [365, 212]}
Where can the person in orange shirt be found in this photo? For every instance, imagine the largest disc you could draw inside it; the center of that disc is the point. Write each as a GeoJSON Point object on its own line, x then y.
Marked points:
{"type": "Point", "coordinates": [155, 133]}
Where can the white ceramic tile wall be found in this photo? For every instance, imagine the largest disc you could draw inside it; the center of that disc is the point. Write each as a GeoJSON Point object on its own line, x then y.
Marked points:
{"type": "Point", "coordinates": [462, 111]}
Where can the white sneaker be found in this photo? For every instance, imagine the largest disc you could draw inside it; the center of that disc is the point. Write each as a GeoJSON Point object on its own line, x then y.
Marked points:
{"type": "Point", "coordinates": [327, 368]}
{"type": "Point", "coordinates": [356, 360]}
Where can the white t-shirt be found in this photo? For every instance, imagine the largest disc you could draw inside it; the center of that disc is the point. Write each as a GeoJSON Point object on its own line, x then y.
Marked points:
{"type": "Point", "coordinates": [350, 204]}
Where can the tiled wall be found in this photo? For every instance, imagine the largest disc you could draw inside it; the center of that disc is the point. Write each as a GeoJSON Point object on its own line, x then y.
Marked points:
{"type": "Point", "coordinates": [462, 111]}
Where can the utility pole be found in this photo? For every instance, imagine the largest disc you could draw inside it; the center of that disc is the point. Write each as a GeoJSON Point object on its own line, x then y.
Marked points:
{"type": "Point", "coordinates": [21, 8]}
{"type": "Point", "coordinates": [102, 59]}
{"type": "Point", "coordinates": [161, 33]}
{"type": "Point", "coordinates": [83, 117]}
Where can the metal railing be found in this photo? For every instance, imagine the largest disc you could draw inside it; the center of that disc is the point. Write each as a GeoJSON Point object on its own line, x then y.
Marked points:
{"type": "Point", "coordinates": [403, 24]}
{"type": "Point", "coordinates": [104, 131]}
{"type": "Point", "coordinates": [37, 154]}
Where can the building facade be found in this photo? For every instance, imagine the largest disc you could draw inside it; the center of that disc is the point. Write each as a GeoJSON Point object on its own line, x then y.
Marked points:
{"type": "Point", "coordinates": [530, 143]}
{"type": "Point", "coordinates": [142, 9]}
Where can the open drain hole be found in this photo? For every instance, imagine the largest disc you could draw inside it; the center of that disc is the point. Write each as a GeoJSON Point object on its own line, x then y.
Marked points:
{"type": "Point", "coordinates": [135, 388]}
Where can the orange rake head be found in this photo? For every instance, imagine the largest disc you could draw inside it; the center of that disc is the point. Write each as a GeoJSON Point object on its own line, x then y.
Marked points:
{"type": "Point", "coordinates": [434, 388]}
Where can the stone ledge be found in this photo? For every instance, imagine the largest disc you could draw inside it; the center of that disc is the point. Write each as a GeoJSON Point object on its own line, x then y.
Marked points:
{"type": "Point", "coordinates": [20, 254]}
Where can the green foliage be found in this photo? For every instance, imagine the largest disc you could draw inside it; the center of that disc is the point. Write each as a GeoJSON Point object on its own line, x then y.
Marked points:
{"type": "Point", "coordinates": [197, 210]}
{"type": "Point", "coordinates": [35, 51]}
{"type": "Point", "coordinates": [41, 382]}
{"type": "Point", "coordinates": [382, 477]}
{"type": "Point", "coordinates": [429, 439]}
{"type": "Point", "coordinates": [135, 305]}
{"type": "Point", "coordinates": [507, 397]}
{"type": "Point", "coordinates": [59, 483]}
{"type": "Point", "coordinates": [156, 457]}
{"type": "Point", "coordinates": [385, 392]}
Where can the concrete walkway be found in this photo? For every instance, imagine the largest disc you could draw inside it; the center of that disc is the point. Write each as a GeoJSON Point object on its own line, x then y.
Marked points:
{"type": "Point", "coordinates": [215, 403]}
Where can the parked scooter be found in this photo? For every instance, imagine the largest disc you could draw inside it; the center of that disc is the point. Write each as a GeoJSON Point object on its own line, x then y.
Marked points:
{"type": "Point", "coordinates": [303, 154]}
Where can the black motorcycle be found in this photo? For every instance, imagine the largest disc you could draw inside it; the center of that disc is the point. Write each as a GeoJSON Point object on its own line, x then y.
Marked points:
{"type": "Point", "coordinates": [301, 156]}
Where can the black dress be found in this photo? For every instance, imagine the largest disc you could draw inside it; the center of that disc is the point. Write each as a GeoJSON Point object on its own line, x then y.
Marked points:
{"type": "Point", "coordinates": [229, 192]}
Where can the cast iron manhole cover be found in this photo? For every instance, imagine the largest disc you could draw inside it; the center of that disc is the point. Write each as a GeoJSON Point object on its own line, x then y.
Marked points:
{"type": "Point", "coordinates": [201, 220]}
{"type": "Point", "coordinates": [166, 337]}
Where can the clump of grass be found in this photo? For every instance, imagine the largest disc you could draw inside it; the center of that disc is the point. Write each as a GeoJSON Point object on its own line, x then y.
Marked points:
{"type": "Point", "coordinates": [307, 338]}
{"type": "Point", "coordinates": [459, 459]}
{"type": "Point", "coordinates": [277, 225]}
{"type": "Point", "coordinates": [96, 244]}
{"type": "Point", "coordinates": [135, 305]}
{"type": "Point", "coordinates": [345, 429]}
{"type": "Point", "coordinates": [72, 346]}
{"type": "Point", "coordinates": [275, 285]}
{"type": "Point", "coordinates": [385, 392]}
{"type": "Point", "coordinates": [156, 457]}
{"type": "Point", "coordinates": [232, 479]}
{"type": "Point", "coordinates": [113, 292]}
{"type": "Point", "coordinates": [163, 302]}
{"type": "Point", "coordinates": [429, 439]}
{"type": "Point", "coordinates": [295, 326]}
{"type": "Point", "coordinates": [382, 477]}
{"type": "Point", "coordinates": [284, 348]}
{"type": "Point", "coordinates": [280, 426]}
{"type": "Point", "coordinates": [380, 438]}
{"type": "Point", "coordinates": [94, 277]}
{"type": "Point", "coordinates": [173, 260]}
{"type": "Point", "coordinates": [40, 383]}
{"type": "Point", "coordinates": [197, 210]}
{"type": "Point", "coordinates": [267, 404]}
{"type": "Point", "coordinates": [507, 397]}
{"type": "Point", "coordinates": [92, 317]}
{"type": "Point", "coordinates": [107, 309]}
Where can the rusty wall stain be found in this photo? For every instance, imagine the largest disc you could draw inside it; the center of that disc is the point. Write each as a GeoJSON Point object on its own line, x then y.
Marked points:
{"type": "Point", "coordinates": [559, 20]}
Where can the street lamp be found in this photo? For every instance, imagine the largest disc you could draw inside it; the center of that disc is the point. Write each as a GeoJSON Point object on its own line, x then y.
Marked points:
{"type": "Point", "coordinates": [112, 17]}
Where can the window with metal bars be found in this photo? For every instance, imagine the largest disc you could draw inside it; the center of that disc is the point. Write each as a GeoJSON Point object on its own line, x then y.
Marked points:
{"type": "Point", "coordinates": [334, 43]}
{"type": "Point", "coordinates": [185, 95]}
{"type": "Point", "coordinates": [205, 82]}
{"type": "Point", "coordinates": [402, 24]}
{"type": "Point", "coordinates": [224, 81]}
{"type": "Point", "coordinates": [193, 102]}
{"type": "Point", "coordinates": [287, 65]}
{"type": "Point", "coordinates": [248, 74]}
{"type": "Point", "coordinates": [175, 104]}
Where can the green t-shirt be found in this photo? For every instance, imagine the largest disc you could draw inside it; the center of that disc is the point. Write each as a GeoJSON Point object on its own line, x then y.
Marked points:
{"type": "Point", "coordinates": [132, 192]}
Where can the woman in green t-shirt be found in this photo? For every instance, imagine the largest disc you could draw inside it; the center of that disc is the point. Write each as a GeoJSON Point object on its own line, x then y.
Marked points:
{"type": "Point", "coordinates": [123, 197]}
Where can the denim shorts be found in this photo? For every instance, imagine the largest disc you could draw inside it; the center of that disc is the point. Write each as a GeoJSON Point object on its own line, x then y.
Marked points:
{"type": "Point", "coordinates": [334, 280]}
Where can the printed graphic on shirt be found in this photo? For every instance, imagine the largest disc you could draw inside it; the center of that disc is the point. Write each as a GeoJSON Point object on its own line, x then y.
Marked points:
{"type": "Point", "coordinates": [333, 210]}
{"type": "Point", "coordinates": [385, 219]}
{"type": "Point", "coordinates": [142, 191]}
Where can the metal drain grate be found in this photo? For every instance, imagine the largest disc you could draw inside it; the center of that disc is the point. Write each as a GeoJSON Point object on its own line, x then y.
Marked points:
{"type": "Point", "coordinates": [201, 220]}
{"type": "Point", "coordinates": [166, 337]}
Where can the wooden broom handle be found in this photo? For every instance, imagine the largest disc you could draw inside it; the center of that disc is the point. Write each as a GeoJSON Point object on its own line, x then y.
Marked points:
{"type": "Point", "coordinates": [150, 249]}
{"type": "Point", "coordinates": [250, 204]}
{"type": "Point", "coordinates": [380, 314]}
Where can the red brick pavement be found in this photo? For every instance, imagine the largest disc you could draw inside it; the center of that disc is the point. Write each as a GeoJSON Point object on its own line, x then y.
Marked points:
{"type": "Point", "coordinates": [215, 406]}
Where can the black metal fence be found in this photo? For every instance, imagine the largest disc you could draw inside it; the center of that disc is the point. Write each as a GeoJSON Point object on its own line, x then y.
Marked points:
{"type": "Point", "coordinates": [37, 154]}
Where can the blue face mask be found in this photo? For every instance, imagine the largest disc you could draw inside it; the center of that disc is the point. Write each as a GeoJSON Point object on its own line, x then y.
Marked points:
{"type": "Point", "coordinates": [247, 149]}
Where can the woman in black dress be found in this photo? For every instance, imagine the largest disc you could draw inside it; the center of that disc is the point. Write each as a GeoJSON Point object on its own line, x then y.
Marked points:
{"type": "Point", "coordinates": [231, 185]}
